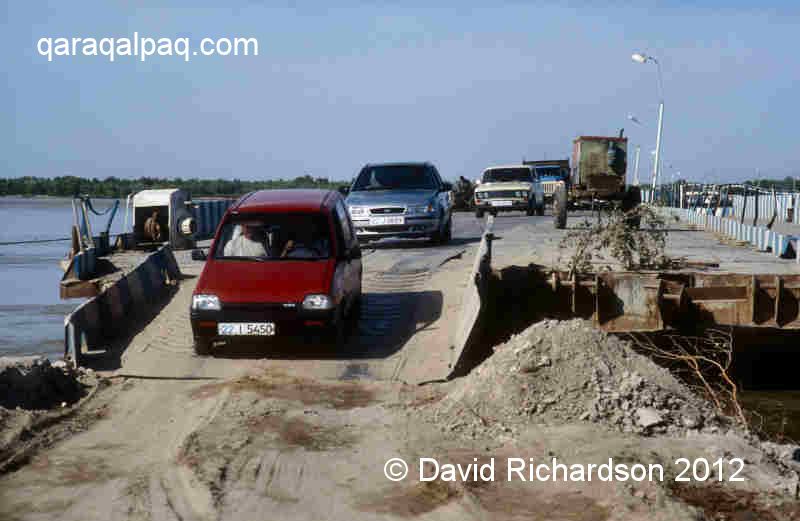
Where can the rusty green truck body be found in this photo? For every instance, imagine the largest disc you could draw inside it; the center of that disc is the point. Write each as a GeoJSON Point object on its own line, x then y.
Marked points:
{"type": "Point", "coordinates": [598, 171]}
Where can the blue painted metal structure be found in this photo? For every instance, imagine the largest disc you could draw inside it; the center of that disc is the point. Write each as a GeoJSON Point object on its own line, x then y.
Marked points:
{"type": "Point", "coordinates": [208, 214]}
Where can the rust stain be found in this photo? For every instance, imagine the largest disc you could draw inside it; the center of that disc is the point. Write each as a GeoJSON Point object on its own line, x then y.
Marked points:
{"type": "Point", "coordinates": [338, 395]}
{"type": "Point", "coordinates": [620, 302]}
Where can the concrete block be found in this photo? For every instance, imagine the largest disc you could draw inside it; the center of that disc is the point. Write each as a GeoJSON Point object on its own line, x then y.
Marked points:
{"type": "Point", "coordinates": [135, 288]}
{"type": "Point", "coordinates": [113, 299]}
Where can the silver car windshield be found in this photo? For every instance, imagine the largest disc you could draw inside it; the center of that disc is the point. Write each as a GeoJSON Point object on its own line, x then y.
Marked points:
{"type": "Point", "coordinates": [395, 177]}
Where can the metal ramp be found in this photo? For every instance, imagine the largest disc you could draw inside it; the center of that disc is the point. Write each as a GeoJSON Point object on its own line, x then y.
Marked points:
{"type": "Point", "coordinates": [620, 302]}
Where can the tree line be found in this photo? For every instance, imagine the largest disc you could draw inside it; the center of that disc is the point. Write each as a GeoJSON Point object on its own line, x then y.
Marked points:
{"type": "Point", "coordinates": [113, 187]}
{"type": "Point", "coordinates": [787, 184]}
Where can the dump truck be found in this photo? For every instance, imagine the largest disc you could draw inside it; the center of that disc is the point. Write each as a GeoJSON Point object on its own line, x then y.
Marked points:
{"type": "Point", "coordinates": [551, 173]}
{"type": "Point", "coordinates": [597, 178]}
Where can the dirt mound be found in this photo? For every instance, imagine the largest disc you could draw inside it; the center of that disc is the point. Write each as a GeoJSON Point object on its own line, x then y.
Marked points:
{"type": "Point", "coordinates": [34, 383]}
{"type": "Point", "coordinates": [565, 372]}
{"type": "Point", "coordinates": [36, 395]}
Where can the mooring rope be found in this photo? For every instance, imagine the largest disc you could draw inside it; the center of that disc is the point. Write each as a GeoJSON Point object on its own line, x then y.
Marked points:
{"type": "Point", "coordinates": [32, 242]}
{"type": "Point", "coordinates": [89, 204]}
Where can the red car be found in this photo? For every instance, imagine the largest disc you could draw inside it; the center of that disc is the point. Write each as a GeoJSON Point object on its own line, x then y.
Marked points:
{"type": "Point", "coordinates": [282, 261]}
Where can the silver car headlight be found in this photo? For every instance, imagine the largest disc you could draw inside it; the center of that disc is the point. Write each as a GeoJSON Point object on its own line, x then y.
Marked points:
{"type": "Point", "coordinates": [206, 302]}
{"type": "Point", "coordinates": [428, 208]}
{"type": "Point", "coordinates": [357, 210]}
{"type": "Point", "coordinates": [317, 302]}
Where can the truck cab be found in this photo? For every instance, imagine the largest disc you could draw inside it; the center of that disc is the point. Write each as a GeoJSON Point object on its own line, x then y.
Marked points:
{"type": "Point", "coordinates": [551, 173]}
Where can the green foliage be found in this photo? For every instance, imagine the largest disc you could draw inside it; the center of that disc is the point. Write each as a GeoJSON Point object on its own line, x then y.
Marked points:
{"type": "Point", "coordinates": [68, 186]}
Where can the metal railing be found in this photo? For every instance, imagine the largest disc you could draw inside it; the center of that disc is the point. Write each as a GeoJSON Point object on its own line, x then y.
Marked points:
{"type": "Point", "coordinates": [732, 200]}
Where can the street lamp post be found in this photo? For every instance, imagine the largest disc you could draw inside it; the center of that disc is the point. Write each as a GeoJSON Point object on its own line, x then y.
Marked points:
{"type": "Point", "coordinates": [653, 176]}
{"type": "Point", "coordinates": [642, 58]}
{"type": "Point", "coordinates": [638, 150]}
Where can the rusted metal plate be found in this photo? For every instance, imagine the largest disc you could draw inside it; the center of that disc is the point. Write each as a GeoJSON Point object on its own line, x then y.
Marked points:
{"type": "Point", "coordinates": [73, 288]}
{"type": "Point", "coordinates": [653, 301]}
{"type": "Point", "coordinates": [72, 285]}
{"type": "Point", "coordinates": [627, 302]}
{"type": "Point", "coordinates": [602, 182]}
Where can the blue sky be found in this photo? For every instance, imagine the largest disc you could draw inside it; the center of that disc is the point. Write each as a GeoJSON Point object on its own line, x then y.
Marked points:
{"type": "Point", "coordinates": [464, 86]}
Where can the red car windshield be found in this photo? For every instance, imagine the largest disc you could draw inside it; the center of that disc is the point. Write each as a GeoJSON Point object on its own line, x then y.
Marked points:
{"type": "Point", "coordinates": [267, 237]}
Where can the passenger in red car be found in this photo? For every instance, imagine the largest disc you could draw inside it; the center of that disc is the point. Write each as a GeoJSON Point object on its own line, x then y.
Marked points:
{"type": "Point", "coordinates": [249, 244]}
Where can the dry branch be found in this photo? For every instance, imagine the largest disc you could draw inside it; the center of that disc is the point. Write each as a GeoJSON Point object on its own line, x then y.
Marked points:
{"type": "Point", "coordinates": [614, 232]}
{"type": "Point", "coordinates": [707, 361]}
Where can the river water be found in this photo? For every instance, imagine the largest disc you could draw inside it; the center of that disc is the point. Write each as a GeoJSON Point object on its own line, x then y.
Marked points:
{"type": "Point", "coordinates": [31, 312]}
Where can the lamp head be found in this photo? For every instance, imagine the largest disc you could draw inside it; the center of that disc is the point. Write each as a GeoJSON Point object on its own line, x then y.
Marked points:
{"type": "Point", "coordinates": [639, 58]}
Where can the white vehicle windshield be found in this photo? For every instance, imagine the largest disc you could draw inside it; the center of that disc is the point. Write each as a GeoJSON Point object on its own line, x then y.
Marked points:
{"type": "Point", "coordinates": [508, 175]}
{"type": "Point", "coordinates": [275, 237]}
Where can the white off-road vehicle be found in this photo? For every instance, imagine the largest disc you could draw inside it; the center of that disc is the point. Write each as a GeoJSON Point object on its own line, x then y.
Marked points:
{"type": "Point", "coordinates": [509, 188]}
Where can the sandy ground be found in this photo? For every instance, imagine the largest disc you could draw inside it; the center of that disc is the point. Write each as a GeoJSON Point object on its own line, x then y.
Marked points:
{"type": "Point", "coordinates": [301, 433]}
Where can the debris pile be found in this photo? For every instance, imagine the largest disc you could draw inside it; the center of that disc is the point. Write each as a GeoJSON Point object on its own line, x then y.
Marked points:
{"type": "Point", "coordinates": [34, 383]}
{"type": "Point", "coordinates": [565, 372]}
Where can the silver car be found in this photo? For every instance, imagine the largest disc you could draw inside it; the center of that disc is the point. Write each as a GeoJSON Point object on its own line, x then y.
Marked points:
{"type": "Point", "coordinates": [407, 200]}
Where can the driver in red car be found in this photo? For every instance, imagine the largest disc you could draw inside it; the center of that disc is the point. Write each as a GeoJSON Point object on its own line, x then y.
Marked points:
{"type": "Point", "coordinates": [307, 240]}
